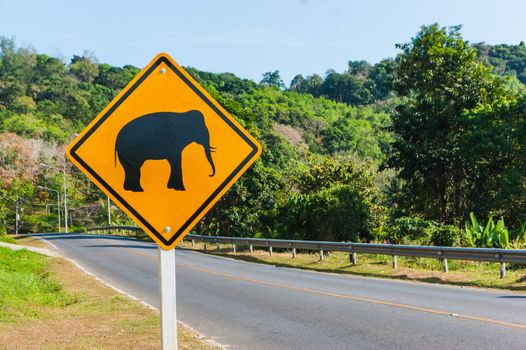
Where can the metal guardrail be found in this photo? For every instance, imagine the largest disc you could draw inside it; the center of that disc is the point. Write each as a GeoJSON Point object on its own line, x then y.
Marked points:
{"type": "Point", "coordinates": [501, 256]}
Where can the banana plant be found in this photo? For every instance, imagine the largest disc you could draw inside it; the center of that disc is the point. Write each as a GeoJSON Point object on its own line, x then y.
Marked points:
{"type": "Point", "coordinates": [491, 235]}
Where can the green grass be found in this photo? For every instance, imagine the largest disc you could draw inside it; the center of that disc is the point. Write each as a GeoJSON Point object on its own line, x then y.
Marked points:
{"type": "Point", "coordinates": [26, 286]}
{"type": "Point", "coordinates": [7, 239]}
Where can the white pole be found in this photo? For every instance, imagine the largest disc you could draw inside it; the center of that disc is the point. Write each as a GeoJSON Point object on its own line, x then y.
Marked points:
{"type": "Point", "coordinates": [109, 212]}
{"type": "Point", "coordinates": [65, 200]}
{"type": "Point", "coordinates": [58, 210]}
{"type": "Point", "coordinates": [168, 300]}
{"type": "Point", "coordinates": [17, 216]}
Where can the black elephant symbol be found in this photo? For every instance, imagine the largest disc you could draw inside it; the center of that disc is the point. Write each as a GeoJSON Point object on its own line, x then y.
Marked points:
{"type": "Point", "coordinates": [162, 135]}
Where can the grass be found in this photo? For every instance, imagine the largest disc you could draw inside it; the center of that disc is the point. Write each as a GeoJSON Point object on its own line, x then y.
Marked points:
{"type": "Point", "coordinates": [462, 273]}
{"type": "Point", "coordinates": [48, 303]}
{"type": "Point", "coordinates": [26, 286]}
{"type": "Point", "coordinates": [7, 239]}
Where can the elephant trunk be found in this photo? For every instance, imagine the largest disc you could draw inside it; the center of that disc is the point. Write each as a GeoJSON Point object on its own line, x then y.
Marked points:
{"type": "Point", "coordinates": [208, 153]}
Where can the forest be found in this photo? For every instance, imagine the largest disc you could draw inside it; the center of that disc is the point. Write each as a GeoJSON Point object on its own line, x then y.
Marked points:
{"type": "Point", "coordinates": [424, 148]}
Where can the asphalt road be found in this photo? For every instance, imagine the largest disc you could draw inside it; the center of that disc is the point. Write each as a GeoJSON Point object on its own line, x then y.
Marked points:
{"type": "Point", "coordinates": [251, 306]}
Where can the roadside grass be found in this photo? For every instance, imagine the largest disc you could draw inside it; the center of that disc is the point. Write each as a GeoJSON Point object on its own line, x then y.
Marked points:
{"type": "Point", "coordinates": [26, 287]}
{"type": "Point", "coordinates": [462, 273]}
{"type": "Point", "coordinates": [7, 239]}
{"type": "Point", "coordinates": [48, 303]}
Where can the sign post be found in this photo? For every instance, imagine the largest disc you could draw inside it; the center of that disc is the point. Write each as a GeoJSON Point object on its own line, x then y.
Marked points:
{"type": "Point", "coordinates": [164, 151]}
{"type": "Point", "coordinates": [168, 299]}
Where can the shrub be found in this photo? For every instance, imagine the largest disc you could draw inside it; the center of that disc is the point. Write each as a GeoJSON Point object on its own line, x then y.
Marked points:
{"type": "Point", "coordinates": [445, 235]}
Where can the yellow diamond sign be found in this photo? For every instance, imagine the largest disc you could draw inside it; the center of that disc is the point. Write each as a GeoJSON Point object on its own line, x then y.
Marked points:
{"type": "Point", "coordinates": [164, 151]}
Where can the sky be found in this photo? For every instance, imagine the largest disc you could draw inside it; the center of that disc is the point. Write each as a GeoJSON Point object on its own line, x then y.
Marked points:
{"type": "Point", "coordinates": [249, 37]}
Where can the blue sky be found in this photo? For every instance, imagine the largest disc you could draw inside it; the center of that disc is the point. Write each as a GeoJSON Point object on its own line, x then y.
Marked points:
{"type": "Point", "coordinates": [249, 37]}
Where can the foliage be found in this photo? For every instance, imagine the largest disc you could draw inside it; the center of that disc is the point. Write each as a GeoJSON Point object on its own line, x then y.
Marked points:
{"type": "Point", "coordinates": [272, 79]}
{"type": "Point", "coordinates": [410, 229]}
{"type": "Point", "coordinates": [506, 59]}
{"type": "Point", "coordinates": [490, 236]}
{"type": "Point", "coordinates": [445, 235]}
{"type": "Point", "coordinates": [333, 199]}
{"type": "Point", "coordinates": [449, 97]}
{"type": "Point", "coordinates": [246, 208]}
{"type": "Point", "coordinates": [360, 84]}
{"type": "Point", "coordinates": [338, 213]}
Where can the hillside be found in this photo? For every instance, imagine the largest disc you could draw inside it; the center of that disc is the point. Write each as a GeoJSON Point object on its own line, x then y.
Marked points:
{"type": "Point", "coordinates": [328, 170]}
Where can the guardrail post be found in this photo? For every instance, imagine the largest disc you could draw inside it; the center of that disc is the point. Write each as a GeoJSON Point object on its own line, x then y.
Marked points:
{"type": "Point", "coordinates": [217, 247]}
{"type": "Point", "coordinates": [251, 248]}
{"type": "Point", "coordinates": [445, 266]}
{"type": "Point", "coordinates": [234, 247]}
{"type": "Point", "coordinates": [352, 256]}
{"type": "Point", "coordinates": [204, 243]}
{"type": "Point", "coordinates": [293, 253]}
{"type": "Point", "coordinates": [193, 243]}
{"type": "Point", "coordinates": [502, 269]}
{"type": "Point", "coordinates": [395, 263]}
{"type": "Point", "coordinates": [270, 250]}
{"type": "Point", "coordinates": [321, 255]}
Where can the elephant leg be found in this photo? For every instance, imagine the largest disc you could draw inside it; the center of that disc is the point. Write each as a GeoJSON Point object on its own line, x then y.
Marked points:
{"type": "Point", "coordinates": [176, 175]}
{"type": "Point", "coordinates": [132, 177]}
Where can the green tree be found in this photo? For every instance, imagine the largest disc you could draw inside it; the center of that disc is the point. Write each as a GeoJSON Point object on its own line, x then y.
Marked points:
{"type": "Point", "coordinates": [84, 67]}
{"type": "Point", "coordinates": [444, 87]}
{"type": "Point", "coordinates": [272, 79]}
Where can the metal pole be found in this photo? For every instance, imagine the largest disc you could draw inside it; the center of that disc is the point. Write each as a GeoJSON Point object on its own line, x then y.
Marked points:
{"type": "Point", "coordinates": [445, 265]}
{"type": "Point", "coordinates": [65, 201]}
{"type": "Point", "coordinates": [17, 216]}
{"type": "Point", "coordinates": [109, 212]}
{"type": "Point", "coordinates": [168, 299]}
{"type": "Point", "coordinates": [58, 210]}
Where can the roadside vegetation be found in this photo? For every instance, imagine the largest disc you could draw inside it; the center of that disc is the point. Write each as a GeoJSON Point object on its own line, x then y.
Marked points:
{"type": "Point", "coordinates": [47, 303]}
{"type": "Point", "coordinates": [424, 148]}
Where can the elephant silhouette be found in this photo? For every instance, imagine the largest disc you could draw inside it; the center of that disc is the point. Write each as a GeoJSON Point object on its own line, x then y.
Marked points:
{"type": "Point", "coordinates": [161, 135]}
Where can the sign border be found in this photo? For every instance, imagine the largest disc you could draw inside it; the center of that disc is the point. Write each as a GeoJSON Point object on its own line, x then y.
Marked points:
{"type": "Point", "coordinates": [127, 91]}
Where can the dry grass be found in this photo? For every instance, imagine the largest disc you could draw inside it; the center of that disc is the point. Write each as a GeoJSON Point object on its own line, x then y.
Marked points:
{"type": "Point", "coordinates": [463, 273]}
{"type": "Point", "coordinates": [98, 318]}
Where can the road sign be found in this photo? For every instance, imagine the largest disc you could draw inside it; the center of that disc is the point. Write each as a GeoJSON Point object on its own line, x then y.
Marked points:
{"type": "Point", "coordinates": [164, 151]}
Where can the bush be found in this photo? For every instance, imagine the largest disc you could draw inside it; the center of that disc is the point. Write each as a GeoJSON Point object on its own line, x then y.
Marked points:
{"type": "Point", "coordinates": [406, 230]}
{"type": "Point", "coordinates": [445, 235]}
{"type": "Point", "coordinates": [338, 213]}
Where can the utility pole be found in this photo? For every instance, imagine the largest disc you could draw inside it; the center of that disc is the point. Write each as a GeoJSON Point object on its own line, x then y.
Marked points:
{"type": "Point", "coordinates": [65, 192]}
{"type": "Point", "coordinates": [58, 203]}
{"type": "Point", "coordinates": [109, 212]}
{"type": "Point", "coordinates": [17, 216]}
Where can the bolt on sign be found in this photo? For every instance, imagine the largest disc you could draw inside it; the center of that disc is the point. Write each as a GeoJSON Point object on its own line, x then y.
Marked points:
{"type": "Point", "coordinates": [164, 151]}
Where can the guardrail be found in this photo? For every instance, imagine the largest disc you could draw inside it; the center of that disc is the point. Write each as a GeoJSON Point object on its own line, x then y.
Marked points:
{"type": "Point", "coordinates": [501, 256]}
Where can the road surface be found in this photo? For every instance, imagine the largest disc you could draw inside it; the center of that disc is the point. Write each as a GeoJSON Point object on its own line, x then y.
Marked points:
{"type": "Point", "coordinates": [251, 306]}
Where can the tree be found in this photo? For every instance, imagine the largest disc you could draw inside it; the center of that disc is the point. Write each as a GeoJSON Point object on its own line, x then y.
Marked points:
{"type": "Point", "coordinates": [297, 82]}
{"type": "Point", "coordinates": [445, 88]}
{"type": "Point", "coordinates": [345, 88]}
{"type": "Point", "coordinates": [272, 79]}
{"type": "Point", "coordinates": [84, 67]}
